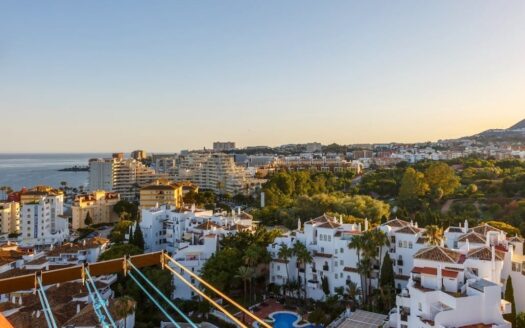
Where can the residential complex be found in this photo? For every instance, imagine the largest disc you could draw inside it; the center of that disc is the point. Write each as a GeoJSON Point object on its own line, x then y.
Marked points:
{"type": "Point", "coordinates": [71, 303]}
{"type": "Point", "coordinates": [9, 217]}
{"type": "Point", "coordinates": [216, 172]}
{"type": "Point", "coordinates": [99, 204]}
{"type": "Point", "coordinates": [161, 192]}
{"type": "Point", "coordinates": [456, 284]}
{"type": "Point", "coordinates": [41, 217]}
{"type": "Point", "coordinates": [121, 175]}
{"type": "Point", "coordinates": [326, 238]}
{"type": "Point", "coordinates": [223, 146]}
{"type": "Point", "coordinates": [192, 236]}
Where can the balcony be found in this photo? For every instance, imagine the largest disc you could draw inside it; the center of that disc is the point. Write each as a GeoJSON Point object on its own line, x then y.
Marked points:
{"type": "Point", "coordinates": [399, 262]}
{"type": "Point", "coordinates": [326, 268]}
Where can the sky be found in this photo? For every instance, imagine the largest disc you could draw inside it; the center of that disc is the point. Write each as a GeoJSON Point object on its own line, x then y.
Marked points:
{"type": "Point", "coordinates": [166, 75]}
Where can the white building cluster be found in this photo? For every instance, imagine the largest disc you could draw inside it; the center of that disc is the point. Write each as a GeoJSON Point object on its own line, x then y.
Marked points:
{"type": "Point", "coordinates": [456, 284]}
{"type": "Point", "coordinates": [122, 175]}
{"type": "Point", "coordinates": [192, 236]}
{"type": "Point", "coordinates": [216, 172]}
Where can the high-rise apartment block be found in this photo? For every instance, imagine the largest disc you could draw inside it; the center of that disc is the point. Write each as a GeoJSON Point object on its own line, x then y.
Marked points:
{"type": "Point", "coordinates": [125, 176]}
{"type": "Point", "coordinates": [223, 146]}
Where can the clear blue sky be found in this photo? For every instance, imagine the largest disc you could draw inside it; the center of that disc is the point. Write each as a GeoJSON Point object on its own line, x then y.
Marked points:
{"type": "Point", "coordinates": [169, 75]}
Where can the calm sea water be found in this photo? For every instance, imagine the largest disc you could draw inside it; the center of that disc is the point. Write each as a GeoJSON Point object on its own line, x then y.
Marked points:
{"type": "Point", "coordinates": [27, 170]}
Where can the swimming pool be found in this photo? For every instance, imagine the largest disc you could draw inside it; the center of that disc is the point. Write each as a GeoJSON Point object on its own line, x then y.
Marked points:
{"type": "Point", "coordinates": [288, 320]}
{"type": "Point", "coordinates": [285, 320]}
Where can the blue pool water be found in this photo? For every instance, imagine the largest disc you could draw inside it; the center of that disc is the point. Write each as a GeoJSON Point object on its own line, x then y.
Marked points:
{"type": "Point", "coordinates": [284, 320]}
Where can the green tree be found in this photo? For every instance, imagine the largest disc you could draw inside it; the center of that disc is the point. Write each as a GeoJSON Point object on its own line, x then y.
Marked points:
{"type": "Point", "coordinates": [509, 296]}
{"type": "Point", "coordinates": [124, 306]}
{"type": "Point", "coordinates": [284, 254]}
{"type": "Point", "coordinates": [303, 257]}
{"type": "Point", "coordinates": [138, 238]}
{"type": "Point", "coordinates": [387, 281]}
{"type": "Point", "coordinates": [440, 176]}
{"type": "Point", "coordinates": [245, 274]}
{"type": "Point", "coordinates": [434, 234]}
{"type": "Point", "coordinates": [119, 251]}
{"type": "Point", "coordinates": [88, 220]}
{"type": "Point", "coordinates": [413, 185]}
{"type": "Point", "coordinates": [520, 320]}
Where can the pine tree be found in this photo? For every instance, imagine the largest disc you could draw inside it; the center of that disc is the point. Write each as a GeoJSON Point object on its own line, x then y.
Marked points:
{"type": "Point", "coordinates": [138, 238]}
{"type": "Point", "coordinates": [387, 280]}
{"type": "Point", "coordinates": [88, 220]}
{"type": "Point", "coordinates": [325, 285]}
{"type": "Point", "coordinates": [509, 296]}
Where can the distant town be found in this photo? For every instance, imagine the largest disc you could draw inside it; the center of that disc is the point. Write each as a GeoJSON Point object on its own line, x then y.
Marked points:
{"type": "Point", "coordinates": [361, 235]}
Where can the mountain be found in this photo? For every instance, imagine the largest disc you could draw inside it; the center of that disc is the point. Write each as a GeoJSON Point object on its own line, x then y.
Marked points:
{"type": "Point", "coordinates": [514, 133]}
{"type": "Point", "coordinates": [518, 126]}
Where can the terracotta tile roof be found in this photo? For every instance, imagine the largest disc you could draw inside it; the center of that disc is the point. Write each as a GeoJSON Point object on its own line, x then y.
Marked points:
{"type": "Point", "coordinates": [10, 256]}
{"type": "Point", "coordinates": [484, 228]}
{"type": "Point", "coordinates": [485, 254]}
{"type": "Point", "coordinates": [397, 223]}
{"type": "Point", "coordinates": [409, 230]}
{"type": "Point", "coordinates": [433, 271]}
{"type": "Point", "coordinates": [439, 254]}
{"type": "Point", "coordinates": [245, 216]}
{"type": "Point", "coordinates": [71, 248]}
{"type": "Point", "coordinates": [208, 225]}
{"type": "Point", "coordinates": [516, 239]}
{"type": "Point", "coordinates": [325, 221]}
{"type": "Point", "coordinates": [473, 237]}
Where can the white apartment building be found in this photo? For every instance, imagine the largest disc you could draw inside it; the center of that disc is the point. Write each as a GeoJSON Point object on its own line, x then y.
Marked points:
{"type": "Point", "coordinates": [406, 239]}
{"type": "Point", "coordinates": [9, 217]}
{"type": "Point", "coordinates": [216, 172]}
{"type": "Point", "coordinates": [41, 220]}
{"type": "Point", "coordinates": [327, 239]}
{"type": "Point", "coordinates": [461, 284]}
{"type": "Point", "coordinates": [124, 176]}
{"type": "Point", "coordinates": [191, 236]}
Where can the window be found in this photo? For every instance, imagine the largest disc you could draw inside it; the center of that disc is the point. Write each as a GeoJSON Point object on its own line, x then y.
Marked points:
{"type": "Point", "coordinates": [341, 262]}
{"type": "Point", "coordinates": [342, 250]}
{"type": "Point", "coordinates": [420, 306]}
{"type": "Point", "coordinates": [400, 270]}
{"type": "Point", "coordinates": [410, 244]}
{"type": "Point", "coordinates": [336, 251]}
{"type": "Point", "coordinates": [400, 243]}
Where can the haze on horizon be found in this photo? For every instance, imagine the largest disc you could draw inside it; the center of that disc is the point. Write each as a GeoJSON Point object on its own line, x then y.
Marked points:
{"type": "Point", "coordinates": [170, 75]}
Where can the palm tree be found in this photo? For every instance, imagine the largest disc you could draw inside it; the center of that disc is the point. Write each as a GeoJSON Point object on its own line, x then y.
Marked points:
{"type": "Point", "coordinates": [434, 234]}
{"type": "Point", "coordinates": [358, 243]}
{"type": "Point", "coordinates": [352, 290]}
{"type": "Point", "coordinates": [364, 267]}
{"type": "Point", "coordinates": [284, 254]}
{"type": "Point", "coordinates": [124, 306]}
{"type": "Point", "coordinates": [303, 257]}
{"type": "Point", "coordinates": [245, 274]}
{"type": "Point", "coordinates": [380, 239]}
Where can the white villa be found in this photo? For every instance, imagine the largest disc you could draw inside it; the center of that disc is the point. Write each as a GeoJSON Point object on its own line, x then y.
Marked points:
{"type": "Point", "coordinates": [191, 236]}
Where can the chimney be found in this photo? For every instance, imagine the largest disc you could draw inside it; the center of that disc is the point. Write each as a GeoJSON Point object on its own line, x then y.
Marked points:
{"type": "Point", "coordinates": [493, 262]}
{"type": "Point", "coordinates": [468, 246]}
{"type": "Point", "coordinates": [340, 219]}
{"type": "Point", "coordinates": [366, 224]}
{"type": "Point", "coordinates": [439, 278]}
{"type": "Point", "coordinates": [78, 307]}
{"type": "Point", "coordinates": [299, 224]}
{"type": "Point", "coordinates": [359, 227]}
{"type": "Point", "coordinates": [465, 229]}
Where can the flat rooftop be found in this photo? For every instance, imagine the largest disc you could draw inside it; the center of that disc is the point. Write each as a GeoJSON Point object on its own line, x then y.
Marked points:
{"type": "Point", "coordinates": [364, 319]}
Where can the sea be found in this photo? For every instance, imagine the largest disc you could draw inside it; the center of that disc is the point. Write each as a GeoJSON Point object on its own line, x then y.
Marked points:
{"type": "Point", "coordinates": [28, 170]}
